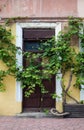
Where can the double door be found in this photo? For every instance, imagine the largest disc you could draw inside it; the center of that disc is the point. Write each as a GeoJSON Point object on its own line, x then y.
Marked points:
{"type": "Point", "coordinates": [37, 100]}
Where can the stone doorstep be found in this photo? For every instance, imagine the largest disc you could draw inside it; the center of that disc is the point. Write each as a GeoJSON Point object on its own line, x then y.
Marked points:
{"type": "Point", "coordinates": [37, 115]}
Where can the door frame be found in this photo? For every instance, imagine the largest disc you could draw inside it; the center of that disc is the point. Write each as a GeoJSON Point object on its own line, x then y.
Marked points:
{"type": "Point", "coordinates": [19, 43]}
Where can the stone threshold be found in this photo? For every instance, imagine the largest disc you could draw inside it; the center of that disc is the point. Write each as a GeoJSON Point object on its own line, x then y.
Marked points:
{"type": "Point", "coordinates": [36, 115]}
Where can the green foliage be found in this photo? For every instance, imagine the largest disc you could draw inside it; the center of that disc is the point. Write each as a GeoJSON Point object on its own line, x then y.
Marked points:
{"type": "Point", "coordinates": [82, 102]}
{"type": "Point", "coordinates": [54, 55]}
{"type": "Point", "coordinates": [2, 75]}
{"type": "Point", "coordinates": [7, 54]}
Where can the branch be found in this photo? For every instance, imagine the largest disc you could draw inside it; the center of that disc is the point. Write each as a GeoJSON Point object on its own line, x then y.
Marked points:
{"type": "Point", "coordinates": [70, 96]}
{"type": "Point", "coordinates": [69, 84]}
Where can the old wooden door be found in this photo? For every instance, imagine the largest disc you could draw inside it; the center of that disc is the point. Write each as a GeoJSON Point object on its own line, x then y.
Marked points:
{"type": "Point", "coordinates": [37, 101]}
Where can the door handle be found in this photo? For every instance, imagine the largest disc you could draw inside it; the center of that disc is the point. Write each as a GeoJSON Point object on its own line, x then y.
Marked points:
{"type": "Point", "coordinates": [41, 99]}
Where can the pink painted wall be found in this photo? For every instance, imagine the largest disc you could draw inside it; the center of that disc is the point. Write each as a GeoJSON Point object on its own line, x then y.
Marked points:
{"type": "Point", "coordinates": [38, 8]}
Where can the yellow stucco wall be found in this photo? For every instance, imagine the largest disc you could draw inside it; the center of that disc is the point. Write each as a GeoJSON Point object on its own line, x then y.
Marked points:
{"type": "Point", "coordinates": [73, 91]}
{"type": "Point", "coordinates": [8, 103]}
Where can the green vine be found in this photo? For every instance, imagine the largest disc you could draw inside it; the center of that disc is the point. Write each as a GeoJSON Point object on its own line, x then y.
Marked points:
{"type": "Point", "coordinates": [54, 54]}
{"type": "Point", "coordinates": [7, 54]}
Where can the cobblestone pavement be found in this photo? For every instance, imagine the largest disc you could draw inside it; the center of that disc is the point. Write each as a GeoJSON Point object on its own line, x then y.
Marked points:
{"type": "Point", "coordinates": [25, 123]}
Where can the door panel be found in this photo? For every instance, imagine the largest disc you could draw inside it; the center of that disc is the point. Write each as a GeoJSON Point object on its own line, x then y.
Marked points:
{"type": "Point", "coordinates": [47, 100]}
{"type": "Point", "coordinates": [33, 101]}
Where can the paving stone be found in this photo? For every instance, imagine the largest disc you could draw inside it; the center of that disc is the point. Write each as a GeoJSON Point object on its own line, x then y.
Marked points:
{"type": "Point", "coordinates": [14, 123]}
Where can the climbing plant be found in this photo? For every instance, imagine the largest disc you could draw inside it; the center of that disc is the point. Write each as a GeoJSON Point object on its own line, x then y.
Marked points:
{"type": "Point", "coordinates": [54, 54]}
{"type": "Point", "coordinates": [7, 54]}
